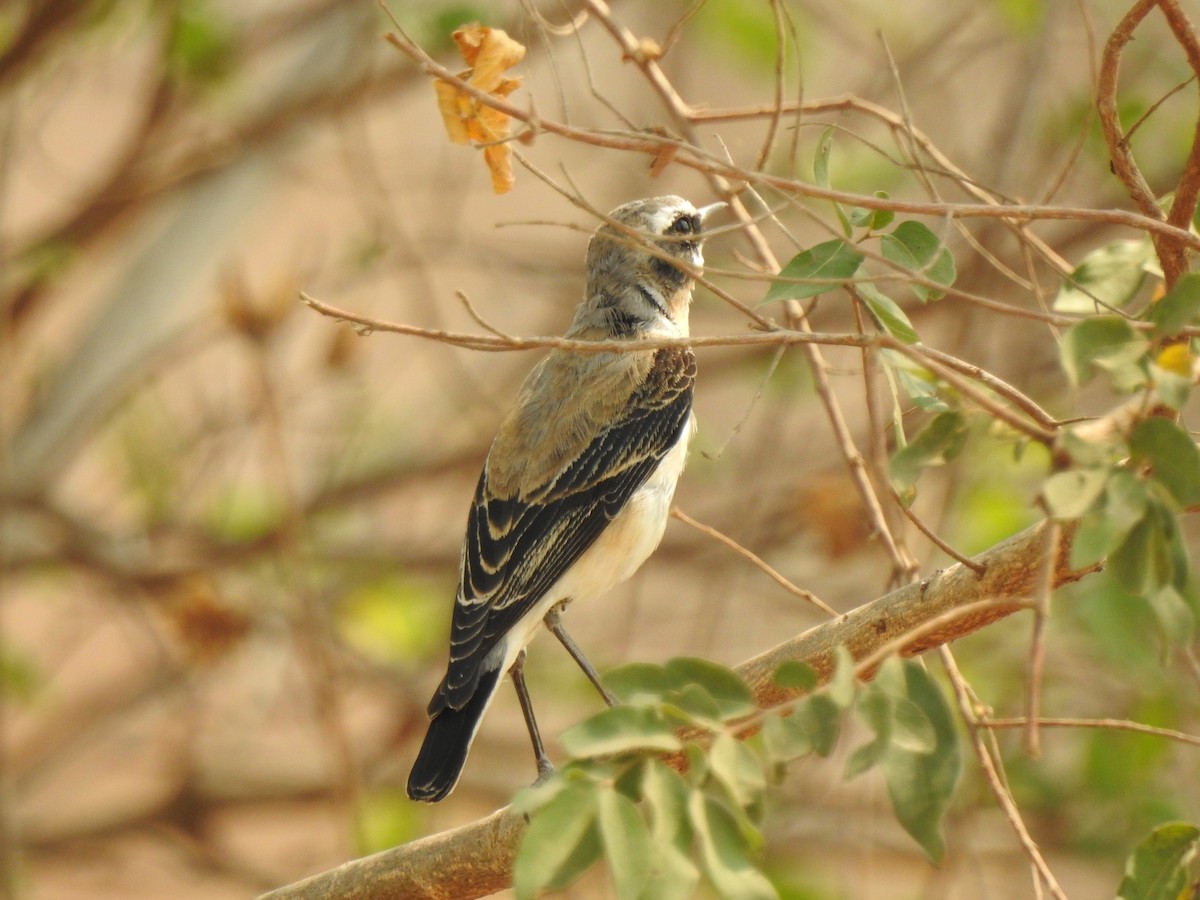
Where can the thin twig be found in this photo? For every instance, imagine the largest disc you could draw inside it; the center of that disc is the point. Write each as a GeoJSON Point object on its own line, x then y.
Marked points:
{"type": "Point", "coordinates": [975, 567]}
{"type": "Point", "coordinates": [991, 773]}
{"type": "Point", "coordinates": [755, 560]}
{"type": "Point", "coordinates": [1111, 724]}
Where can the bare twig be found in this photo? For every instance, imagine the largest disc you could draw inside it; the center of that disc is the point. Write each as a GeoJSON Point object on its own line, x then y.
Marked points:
{"type": "Point", "coordinates": [995, 780]}
{"type": "Point", "coordinates": [755, 560]}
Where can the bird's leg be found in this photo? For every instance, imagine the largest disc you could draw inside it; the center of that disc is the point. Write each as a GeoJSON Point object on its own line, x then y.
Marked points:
{"type": "Point", "coordinates": [553, 621]}
{"type": "Point", "coordinates": [517, 671]}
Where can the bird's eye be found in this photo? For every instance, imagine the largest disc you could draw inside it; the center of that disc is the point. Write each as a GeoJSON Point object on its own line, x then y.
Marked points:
{"type": "Point", "coordinates": [684, 224]}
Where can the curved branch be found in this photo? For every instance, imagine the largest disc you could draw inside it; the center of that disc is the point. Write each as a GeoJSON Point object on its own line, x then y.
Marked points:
{"type": "Point", "coordinates": [475, 860]}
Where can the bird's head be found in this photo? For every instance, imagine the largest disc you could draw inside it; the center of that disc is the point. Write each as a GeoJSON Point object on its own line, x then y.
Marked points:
{"type": "Point", "coordinates": [640, 262]}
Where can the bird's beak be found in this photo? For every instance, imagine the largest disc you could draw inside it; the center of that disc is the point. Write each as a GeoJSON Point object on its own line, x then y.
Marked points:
{"type": "Point", "coordinates": [705, 212]}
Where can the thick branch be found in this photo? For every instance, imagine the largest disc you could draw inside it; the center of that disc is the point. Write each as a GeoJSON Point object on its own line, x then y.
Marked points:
{"type": "Point", "coordinates": [476, 859]}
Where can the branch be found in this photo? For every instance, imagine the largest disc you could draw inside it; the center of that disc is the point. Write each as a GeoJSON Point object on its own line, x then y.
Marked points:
{"type": "Point", "coordinates": [475, 860]}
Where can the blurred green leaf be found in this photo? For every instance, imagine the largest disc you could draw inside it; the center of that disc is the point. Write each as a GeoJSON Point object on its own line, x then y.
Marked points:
{"type": "Point", "coordinates": [1072, 493]}
{"type": "Point", "coordinates": [911, 245]}
{"type": "Point", "coordinates": [638, 683]}
{"type": "Point", "coordinates": [887, 313]}
{"type": "Point", "coordinates": [673, 875]}
{"type": "Point", "coordinates": [795, 675]}
{"type": "Point", "coordinates": [242, 515]}
{"type": "Point", "coordinates": [842, 686]}
{"type": "Point", "coordinates": [725, 853]}
{"type": "Point", "coordinates": [201, 45]}
{"type": "Point", "coordinates": [786, 738]}
{"type": "Point", "coordinates": [392, 619]}
{"type": "Point", "coordinates": [1172, 455]}
{"type": "Point", "coordinates": [1175, 617]}
{"type": "Point", "coordinates": [1178, 308]}
{"type": "Point", "coordinates": [1141, 563]}
{"type": "Point", "coordinates": [1023, 16]}
{"type": "Point", "coordinates": [821, 174]}
{"type": "Point", "coordinates": [735, 766]}
{"type": "Point", "coordinates": [387, 818]}
{"type": "Point", "coordinates": [872, 219]}
{"type": "Point", "coordinates": [626, 840]}
{"type": "Point", "coordinates": [921, 784]}
{"type": "Point", "coordinates": [561, 842]}
{"type": "Point", "coordinates": [726, 687]}
{"type": "Point", "coordinates": [1105, 342]}
{"type": "Point", "coordinates": [620, 729]}
{"type": "Point", "coordinates": [1158, 867]}
{"type": "Point", "coordinates": [833, 262]}
{"type": "Point", "coordinates": [1108, 278]}
{"type": "Point", "coordinates": [20, 678]}
{"type": "Point", "coordinates": [940, 441]}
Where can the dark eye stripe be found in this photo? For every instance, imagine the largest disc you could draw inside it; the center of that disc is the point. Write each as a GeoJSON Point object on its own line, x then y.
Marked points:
{"type": "Point", "coordinates": [685, 224]}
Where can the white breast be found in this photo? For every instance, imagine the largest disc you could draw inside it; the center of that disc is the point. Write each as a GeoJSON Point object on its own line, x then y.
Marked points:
{"type": "Point", "coordinates": [621, 548]}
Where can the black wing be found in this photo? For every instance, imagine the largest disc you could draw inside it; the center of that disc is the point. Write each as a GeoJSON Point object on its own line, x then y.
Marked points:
{"type": "Point", "coordinates": [515, 550]}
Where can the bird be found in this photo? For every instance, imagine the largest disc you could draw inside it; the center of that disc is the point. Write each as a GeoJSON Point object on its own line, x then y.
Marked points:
{"type": "Point", "coordinates": [577, 484]}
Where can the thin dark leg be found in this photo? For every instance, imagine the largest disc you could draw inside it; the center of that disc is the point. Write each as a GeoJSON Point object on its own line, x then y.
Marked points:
{"type": "Point", "coordinates": [544, 766]}
{"type": "Point", "coordinates": [553, 621]}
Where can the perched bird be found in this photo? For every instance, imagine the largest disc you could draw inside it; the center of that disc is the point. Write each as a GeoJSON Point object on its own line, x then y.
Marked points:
{"type": "Point", "coordinates": [578, 482]}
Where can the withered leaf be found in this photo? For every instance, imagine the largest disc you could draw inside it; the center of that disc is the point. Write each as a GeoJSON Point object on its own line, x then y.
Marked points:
{"type": "Point", "coordinates": [490, 53]}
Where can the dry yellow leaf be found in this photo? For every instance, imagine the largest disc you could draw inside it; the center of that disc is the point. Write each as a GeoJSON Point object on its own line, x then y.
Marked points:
{"type": "Point", "coordinates": [490, 53]}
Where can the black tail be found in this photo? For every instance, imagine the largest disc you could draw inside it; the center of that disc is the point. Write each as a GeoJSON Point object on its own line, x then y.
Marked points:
{"type": "Point", "coordinates": [444, 753]}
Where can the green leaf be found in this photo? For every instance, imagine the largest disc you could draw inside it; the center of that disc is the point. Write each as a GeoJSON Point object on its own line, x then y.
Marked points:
{"type": "Point", "coordinates": [1070, 494]}
{"type": "Point", "coordinates": [864, 758]}
{"type": "Point", "coordinates": [1095, 537]}
{"type": "Point", "coordinates": [822, 719]}
{"type": "Point", "coordinates": [1175, 617]}
{"type": "Point", "coordinates": [620, 729]}
{"type": "Point", "coordinates": [673, 874]}
{"type": "Point", "coordinates": [913, 246]}
{"type": "Point", "coordinates": [833, 262]}
{"type": "Point", "coordinates": [887, 313]}
{"type": "Point", "coordinates": [872, 219]}
{"type": "Point", "coordinates": [1125, 501]}
{"type": "Point", "coordinates": [937, 443]}
{"type": "Point", "coordinates": [1172, 455]}
{"type": "Point", "coordinates": [821, 173]}
{"type": "Point", "coordinates": [560, 843]}
{"type": "Point", "coordinates": [1178, 308]}
{"type": "Point", "coordinates": [821, 159]}
{"type": "Point", "coordinates": [795, 675]}
{"type": "Point", "coordinates": [1108, 278]}
{"type": "Point", "coordinates": [626, 842]}
{"type": "Point", "coordinates": [1141, 563]}
{"type": "Point", "coordinates": [842, 684]}
{"type": "Point", "coordinates": [1158, 867]}
{"type": "Point", "coordinates": [638, 683]}
{"type": "Point", "coordinates": [735, 766]}
{"type": "Point", "coordinates": [786, 738]}
{"type": "Point", "coordinates": [201, 45]}
{"type": "Point", "coordinates": [920, 785]}
{"type": "Point", "coordinates": [696, 705]}
{"type": "Point", "coordinates": [726, 687]}
{"type": "Point", "coordinates": [724, 852]}
{"type": "Point", "coordinates": [911, 728]}
{"type": "Point", "coordinates": [1106, 342]}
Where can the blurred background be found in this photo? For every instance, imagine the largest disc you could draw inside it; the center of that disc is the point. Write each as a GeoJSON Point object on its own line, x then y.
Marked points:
{"type": "Point", "coordinates": [230, 527]}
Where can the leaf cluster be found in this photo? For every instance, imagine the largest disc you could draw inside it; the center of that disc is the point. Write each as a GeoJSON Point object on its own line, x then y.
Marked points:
{"type": "Point", "coordinates": [669, 790]}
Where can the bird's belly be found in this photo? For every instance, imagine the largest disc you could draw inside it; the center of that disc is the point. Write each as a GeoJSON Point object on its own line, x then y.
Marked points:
{"type": "Point", "coordinates": [626, 543]}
